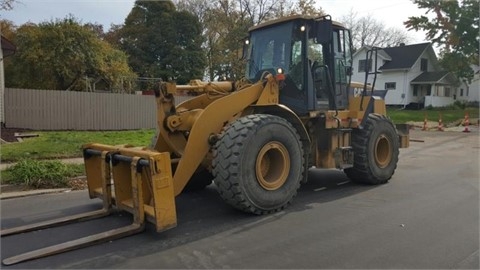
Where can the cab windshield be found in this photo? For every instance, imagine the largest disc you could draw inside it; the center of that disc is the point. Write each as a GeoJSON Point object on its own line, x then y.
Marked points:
{"type": "Point", "coordinates": [269, 50]}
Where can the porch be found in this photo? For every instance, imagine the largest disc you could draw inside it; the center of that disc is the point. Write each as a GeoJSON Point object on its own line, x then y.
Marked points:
{"type": "Point", "coordinates": [434, 89]}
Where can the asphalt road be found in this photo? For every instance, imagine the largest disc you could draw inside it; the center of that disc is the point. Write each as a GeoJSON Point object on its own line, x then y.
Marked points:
{"type": "Point", "coordinates": [426, 217]}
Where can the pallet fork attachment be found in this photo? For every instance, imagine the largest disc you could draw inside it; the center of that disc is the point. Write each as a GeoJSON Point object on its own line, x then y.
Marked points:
{"type": "Point", "coordinates": [142, 185]}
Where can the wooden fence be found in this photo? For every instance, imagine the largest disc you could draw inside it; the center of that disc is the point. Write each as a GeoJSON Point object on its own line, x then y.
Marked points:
{"type": "Point", "coordinates": [65, 110]}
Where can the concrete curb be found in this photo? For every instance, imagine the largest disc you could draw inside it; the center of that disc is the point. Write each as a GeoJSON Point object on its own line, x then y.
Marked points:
{"type": "Point", "coordinates": [25, 193]}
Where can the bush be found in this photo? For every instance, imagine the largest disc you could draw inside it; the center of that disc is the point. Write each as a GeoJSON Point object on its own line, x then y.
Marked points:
{"type": "Point", "coordinates": [474, 104]}
{"type": "Point", "coordinates": [41, 174]}
{"type": "Point", "coordinates": [460, 105]}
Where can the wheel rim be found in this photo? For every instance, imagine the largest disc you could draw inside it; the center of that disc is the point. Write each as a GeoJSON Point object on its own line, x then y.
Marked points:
{"type": "Point", "coordinates": [272, 165]}
{"type": "Point", "coordinates": [383, 151]}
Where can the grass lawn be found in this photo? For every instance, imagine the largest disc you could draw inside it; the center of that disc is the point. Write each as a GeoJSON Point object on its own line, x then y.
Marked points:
{"type": "Point", "coordinates": [399, 116]}
{"type": "Point", "coordinates": [61, 144]}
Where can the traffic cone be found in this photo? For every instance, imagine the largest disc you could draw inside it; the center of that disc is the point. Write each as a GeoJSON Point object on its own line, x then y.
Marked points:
{"type": "Point", "coordinates": [425, 122]}
{"type": "Point", "coordinates": [466, 122]}
{"type": "Point", "coordinates": [440, 123]}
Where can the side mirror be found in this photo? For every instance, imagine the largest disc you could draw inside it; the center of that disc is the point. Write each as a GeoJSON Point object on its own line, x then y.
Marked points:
{"type": "Point", "coordinates": [323, 30]}
{"type": "Point", "coordinates": [349, 70]}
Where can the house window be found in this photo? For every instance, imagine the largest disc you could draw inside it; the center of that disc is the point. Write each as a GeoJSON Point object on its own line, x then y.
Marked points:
{"type": "Point", "coordinates": [423, 64]}
{"type": "Point", "coordinates": [362, 65]}
{"type": "Point", "coordinates": [415, 90]}
{"type": "Point", "coordinates": [390, 85]}
{"type": "Point", "coordinates": [461, 92]}
{"type": "Point", "coordinates": [468, 91]}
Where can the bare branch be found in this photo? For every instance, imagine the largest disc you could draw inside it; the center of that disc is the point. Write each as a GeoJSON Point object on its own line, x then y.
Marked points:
{"type": "Point", "coordinates": [369, 31]}
{"type": "Point", "coordinates": [7, 4]}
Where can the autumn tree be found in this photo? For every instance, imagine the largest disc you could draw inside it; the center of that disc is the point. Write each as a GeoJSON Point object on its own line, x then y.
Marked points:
{"type": "Point", "coordinates": [307, 7]}
{"type": "Point", "coordinates": [64, 55]}
{"type": "Point", "coordinates": [7, 28]}
{"type": "Point", "coordinates": [162, 42]}
{"type": "Point", "coordinates": [368, 31]}
{"type": "Point", "coordinates": [454, 26]}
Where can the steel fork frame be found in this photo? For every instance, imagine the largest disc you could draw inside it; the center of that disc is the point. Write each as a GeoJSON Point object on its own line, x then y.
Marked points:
{"type": "Point", "coordinates": [137, 226]}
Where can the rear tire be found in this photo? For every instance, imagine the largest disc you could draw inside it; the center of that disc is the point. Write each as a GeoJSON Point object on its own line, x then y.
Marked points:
{"type": "Point", "coordinates": [376, 151]}
{"type": "Point", "coordinates": [258, 163]}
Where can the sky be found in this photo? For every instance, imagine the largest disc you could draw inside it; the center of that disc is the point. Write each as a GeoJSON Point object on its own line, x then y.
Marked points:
{"type": "Point", "coordinates": [106, 12]}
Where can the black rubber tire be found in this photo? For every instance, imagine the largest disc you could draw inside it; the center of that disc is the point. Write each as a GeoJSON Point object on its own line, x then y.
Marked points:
{"type": "Point", "coordinates": [378, 135]}
{"type": "Point", "coordinates": [235, 163]}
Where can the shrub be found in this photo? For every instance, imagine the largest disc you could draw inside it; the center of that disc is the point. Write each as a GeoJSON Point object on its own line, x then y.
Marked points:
{"type": "Point", "coordinates": [460, 105]}
{"type": "Point", "coordinates": [474, 104]}
{"type": "Point", "coordinates": [41, 174]}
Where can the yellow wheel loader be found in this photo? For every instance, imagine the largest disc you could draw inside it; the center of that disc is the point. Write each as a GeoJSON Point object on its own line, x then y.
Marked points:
{"type": "Point", "coordinates": [255, 138]}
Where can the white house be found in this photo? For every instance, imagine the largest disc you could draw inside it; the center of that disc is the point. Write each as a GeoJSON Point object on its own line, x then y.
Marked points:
{"type": "Point", "coordinates": [410, 73]}
{"type": "Point", "coordinates": [470, 92]}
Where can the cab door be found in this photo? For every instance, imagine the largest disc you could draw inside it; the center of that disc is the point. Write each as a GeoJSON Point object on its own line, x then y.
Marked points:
{"type": "Point", "coordinates": [342, 66]}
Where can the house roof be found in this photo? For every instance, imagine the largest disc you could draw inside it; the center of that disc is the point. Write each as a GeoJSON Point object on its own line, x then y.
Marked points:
{"type": "Point", "coordinates": [404, 57]}
{"type": "Point", "coordinates": [381, 52]}
{"type": "Point", "coordinates": [430, 77]}
{"type": "Point", "coordinates": [7, 47]}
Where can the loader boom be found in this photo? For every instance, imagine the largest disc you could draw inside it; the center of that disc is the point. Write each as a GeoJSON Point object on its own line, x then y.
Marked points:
{"type": "Point", "coordinates": [203, 117]}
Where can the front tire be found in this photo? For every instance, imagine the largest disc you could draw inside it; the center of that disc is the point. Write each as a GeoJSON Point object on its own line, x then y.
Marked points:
{"type": "Point", "coordinates": [258, 163]}
{"type": "Point", "coordinates": [375, 151]}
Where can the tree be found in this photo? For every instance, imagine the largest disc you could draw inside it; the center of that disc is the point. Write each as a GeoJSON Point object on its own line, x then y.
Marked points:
{"type": "Point", "coordinates": [367, 31]}
{"type": "Point", "coordinates": [307, 7]}
{"type": "Point", "coordinates": [258, 11]}
{"type": "Point", "coordinates": [162, 42]}
{"type": "Point", "coordinates": [225, 27]}
{"type": "Point", "coordinates": [454, 26]}
{"type": "Point", "coordinates": [7, 4]}
{"type": "Point", "coordinates": [113, 35]}
{"type": "Point", "coordinates": [64, 55]}
{"type": "Point", "coordinates": [197, 7]}
{"type": "Point", "coordinates": [7, 29]}
{"type": "Point", "coordinates": [225, 23]}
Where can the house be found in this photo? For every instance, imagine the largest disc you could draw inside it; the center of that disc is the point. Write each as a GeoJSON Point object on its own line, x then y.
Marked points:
{"type": "Point", "coordinates": [7, 49]}
{"type": "Point", "coordinates": [410, 73]}
{"type": "Point", "coordinates": [469, 92]}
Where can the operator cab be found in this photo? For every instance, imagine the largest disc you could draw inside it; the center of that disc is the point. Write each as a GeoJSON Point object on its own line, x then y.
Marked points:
{"type": "Point", "coordinates": [313, 53]}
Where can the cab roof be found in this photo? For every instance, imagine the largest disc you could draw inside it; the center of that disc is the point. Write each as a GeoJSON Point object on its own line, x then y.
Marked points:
{"type": "Point", "coordinates": [291, 18]}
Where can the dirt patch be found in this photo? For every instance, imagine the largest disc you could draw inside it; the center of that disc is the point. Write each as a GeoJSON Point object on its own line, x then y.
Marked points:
{"type": "Point", "coordinates": [78, 183]}
{"type": "Point", "coordinates": [8, 134]}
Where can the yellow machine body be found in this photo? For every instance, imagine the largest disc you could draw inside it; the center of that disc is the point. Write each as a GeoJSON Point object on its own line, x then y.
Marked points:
{"type": "Point", "coordinates": [203, 118]}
